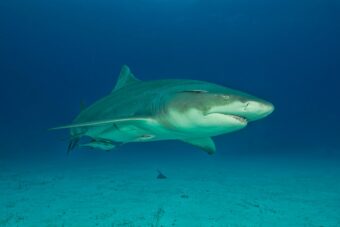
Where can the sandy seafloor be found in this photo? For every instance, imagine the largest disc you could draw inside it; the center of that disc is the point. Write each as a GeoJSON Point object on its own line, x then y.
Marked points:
{"type": "Point", "coordinates": [200, 191]}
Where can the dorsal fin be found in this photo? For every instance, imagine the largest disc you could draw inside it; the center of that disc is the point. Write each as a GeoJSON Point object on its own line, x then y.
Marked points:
{"type": "Point", "coordinates": [125, 78]}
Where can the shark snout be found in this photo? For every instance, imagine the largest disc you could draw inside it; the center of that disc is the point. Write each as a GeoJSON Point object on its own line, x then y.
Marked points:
{"type": "Point", "coordinates": [255, 110]}
{"type": "Point", "coordinates": [246, 107]}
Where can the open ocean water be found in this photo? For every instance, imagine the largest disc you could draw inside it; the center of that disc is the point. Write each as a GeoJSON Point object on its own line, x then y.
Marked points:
{"type": "Point", "coordinates": [283, 170]}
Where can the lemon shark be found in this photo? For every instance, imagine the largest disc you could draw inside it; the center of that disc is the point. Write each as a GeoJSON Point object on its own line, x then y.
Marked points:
{"type": "Point", "coordinates": [142, 111]}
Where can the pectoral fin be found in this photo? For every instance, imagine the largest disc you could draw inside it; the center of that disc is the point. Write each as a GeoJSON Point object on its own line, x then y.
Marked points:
{"type": "Point", "coordinates": [205, 143]}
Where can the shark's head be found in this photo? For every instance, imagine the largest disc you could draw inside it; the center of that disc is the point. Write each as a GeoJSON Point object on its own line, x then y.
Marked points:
{"type": "Point", "coordinates": [214, 110]}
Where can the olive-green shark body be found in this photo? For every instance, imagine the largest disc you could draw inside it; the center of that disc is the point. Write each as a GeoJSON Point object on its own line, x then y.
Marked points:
{"type": "Point", "coordinates": [187, 110]}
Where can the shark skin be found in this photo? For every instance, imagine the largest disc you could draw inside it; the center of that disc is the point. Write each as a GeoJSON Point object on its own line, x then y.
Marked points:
{"type": "Point", "coordinates": [143, 111]}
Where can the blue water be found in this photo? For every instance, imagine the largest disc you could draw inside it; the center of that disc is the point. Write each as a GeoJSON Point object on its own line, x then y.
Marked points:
{"type": "Point", "coordinates": [279, 171]}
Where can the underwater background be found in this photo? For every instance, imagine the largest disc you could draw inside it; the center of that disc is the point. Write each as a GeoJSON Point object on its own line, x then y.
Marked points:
{"type": "Point", "coordinates": [280, 171]}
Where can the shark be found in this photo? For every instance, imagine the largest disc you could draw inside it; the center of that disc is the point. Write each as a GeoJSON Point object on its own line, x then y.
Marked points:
{"type": "Point", "coordinates": [191, 111]}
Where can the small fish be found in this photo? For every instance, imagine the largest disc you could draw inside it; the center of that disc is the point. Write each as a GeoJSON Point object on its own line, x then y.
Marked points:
{"type": "Point", "coordinates": [161, 175]}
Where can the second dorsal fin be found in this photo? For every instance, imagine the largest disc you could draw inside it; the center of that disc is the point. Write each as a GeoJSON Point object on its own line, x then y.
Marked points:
{"type": "Point", "coordinates": [125, 78]}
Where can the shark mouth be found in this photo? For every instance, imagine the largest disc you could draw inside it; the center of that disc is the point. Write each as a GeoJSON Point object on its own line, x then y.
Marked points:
{"type": "Point", "coordinates": [238, 118]}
